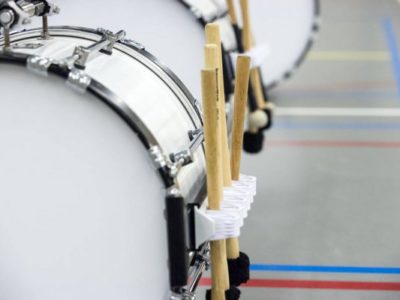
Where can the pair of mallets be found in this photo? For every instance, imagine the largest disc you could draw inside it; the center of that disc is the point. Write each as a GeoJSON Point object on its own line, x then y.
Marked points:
{"type": "Point", "coordinates": [260, 117]}
{"type": "Point", "coordinates": [222, 167]}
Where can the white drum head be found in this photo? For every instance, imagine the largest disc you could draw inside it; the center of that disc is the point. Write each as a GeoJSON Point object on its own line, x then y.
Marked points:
{"type": "Point", "coordinates": [81, 206]}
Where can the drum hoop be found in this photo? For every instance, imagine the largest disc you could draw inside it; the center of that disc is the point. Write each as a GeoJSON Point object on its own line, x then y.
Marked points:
{"type": "Point", "coordinates": [108, 97]}
{"type": "Point", "coordinates": [61, 31]}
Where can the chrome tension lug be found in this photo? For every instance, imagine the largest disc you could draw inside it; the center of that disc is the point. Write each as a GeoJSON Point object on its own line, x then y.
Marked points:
{"type": "Point", "coordinates": [186, 157]}
{"type": "Point", "coordinates": [7, 18]}
{"type": "Point", "coordinates": [78, 80]}
{"type": "Point", "coordinates": [39, 65]}
{"type": "Point", "coordinates": [194, 133]}
{"type": "Point", "coordinates": [82, 54]}
{"type": "Point", "coordinates": [112, 38]}
{"type": "Point", "coordinates": [133, 43]}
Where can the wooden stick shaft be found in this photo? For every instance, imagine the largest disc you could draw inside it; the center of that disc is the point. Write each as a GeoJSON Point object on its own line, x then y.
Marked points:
{"type": "Point", "coordinates": [247, 35]}
{"type": "Point", "coordinates": [232, 248]}
{"type": "Point", "coordinates": [211, 138]}
{"type": "Point", "coordinates": [218, 271]}
{"type": "Point", "coordinates": [211, 60]}
{"type": "Point", "coordinates": [255, 76]}
{"type": "Point", "coordinates": [255, 79]}
{"type": "Point", "coordinates": [213, 36]}
{"type": "Point", "coordinates": [239, 113]}
{"type": "Point", "coordinates": [232, 12]}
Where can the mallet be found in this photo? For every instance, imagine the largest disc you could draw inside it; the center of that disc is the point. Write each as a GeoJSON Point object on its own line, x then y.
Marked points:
{"type": "Point", "coordinates": [261, 117]}
{"type": "Point", "coordinates": [255, 75]}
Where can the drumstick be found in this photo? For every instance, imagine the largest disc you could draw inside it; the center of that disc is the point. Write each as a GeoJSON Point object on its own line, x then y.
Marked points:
{"type": "Point", "coordinates": [235, 25]}
{"type": "Point", "coordinates": [255, 76]}
{"type": "Point", "coordinates": [214, 175]}
{"type": "Point", "coordinates": [240, 103]}
{"type": "Point", "coordinates": [212, 61]}
{"type": "Point", "coordinates": [213, 36]}
{"type": "Point", "coordinates": [232, 12]}
{"type": "Point", "coordinates": [259, 119]}
{"type": "Point", "coordinates": [239, 112]}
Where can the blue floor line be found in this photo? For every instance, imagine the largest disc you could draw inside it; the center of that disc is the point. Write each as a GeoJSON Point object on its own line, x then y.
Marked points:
{"type": "Point", "coordinates": [342, 95]}
{"type": "Point", "coordinates": [394, 50]}
{"type": "Point", "coordinates": [335, 126]}
{"type": "Point", "coordinates": [326, 269]}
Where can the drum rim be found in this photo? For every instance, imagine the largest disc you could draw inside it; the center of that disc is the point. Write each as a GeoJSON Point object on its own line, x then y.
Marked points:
{"type": "Point", "coordinates": [196, 196]}
{"type": "Point", "coordinates": [136, 47]}
{"type": "Point", "coordinates": [114, 102]}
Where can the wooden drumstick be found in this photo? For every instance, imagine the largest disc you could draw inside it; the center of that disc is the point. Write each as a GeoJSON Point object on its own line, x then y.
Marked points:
{"type": "Point", "coordinates": [248, 43]}
{"type": "Point", "coordinates": [239, 114]}
{"type": "Point", "coordinates": [214, 175]}
{"type": "Point", "coordinates": [213, 36]}
{"type": "Point", "coordinates": [235, 25]}
{"type": "Point", "coordinates": [232, 12]}
{"type": "Point", "coordinates": [211, 54]}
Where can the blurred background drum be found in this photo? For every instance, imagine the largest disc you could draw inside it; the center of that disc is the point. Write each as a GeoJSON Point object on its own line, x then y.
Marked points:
{"type": "Point", "coordinates": [288, 29]}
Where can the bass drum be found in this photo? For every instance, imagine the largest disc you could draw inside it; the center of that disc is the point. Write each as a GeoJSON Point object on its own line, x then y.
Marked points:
{"type": "Point", "coordinates": [164, 26]}
{"type": "Point", "coordinates": [288, 28]}
{"type": "Point", "coordinates": [87, 185]}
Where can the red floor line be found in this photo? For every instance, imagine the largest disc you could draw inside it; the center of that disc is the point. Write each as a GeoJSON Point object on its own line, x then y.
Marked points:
{"type": "Point", "coordinates": [346, 86]}
{"type": "Point", "coordinates": [317, 284]}
{"type": "Point", "coordinates": [334, 144]}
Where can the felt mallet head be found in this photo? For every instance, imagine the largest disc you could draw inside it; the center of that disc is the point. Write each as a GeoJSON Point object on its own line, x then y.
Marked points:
{"type": "Point", "coordinates": [269, 113]}
{"type": "Point", "coordinates": [258, 119]}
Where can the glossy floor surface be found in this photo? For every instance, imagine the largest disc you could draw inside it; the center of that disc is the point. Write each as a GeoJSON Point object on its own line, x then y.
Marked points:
{"type": "Point", "coordinates": [325, 225]}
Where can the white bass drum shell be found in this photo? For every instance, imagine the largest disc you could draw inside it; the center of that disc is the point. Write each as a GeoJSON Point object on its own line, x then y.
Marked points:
{"type": "Point", "coordinates": [81, 208]}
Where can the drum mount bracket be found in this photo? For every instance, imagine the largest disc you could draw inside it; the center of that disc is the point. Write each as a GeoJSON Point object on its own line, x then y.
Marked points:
{"type": "Point", "coordinates": [186, 156]}
{"type": "Point", "coordinates": [15, 14]}
{"type": "Point", "coordinates": [176, 161]}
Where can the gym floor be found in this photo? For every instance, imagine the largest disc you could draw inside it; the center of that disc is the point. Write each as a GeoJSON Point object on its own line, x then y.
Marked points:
{"type": "Point", "coordinates": [325, 224]}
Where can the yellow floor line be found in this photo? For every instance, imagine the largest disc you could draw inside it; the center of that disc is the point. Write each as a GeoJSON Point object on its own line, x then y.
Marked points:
{"type": "Point", "coordinates": [337, 112]}
{"type": "Point", "coordinates": [378, 56]}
